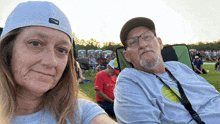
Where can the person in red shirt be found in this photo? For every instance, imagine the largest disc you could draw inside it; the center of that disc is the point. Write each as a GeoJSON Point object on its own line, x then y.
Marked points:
{"type": "Point", "coordinates": [104, 86]}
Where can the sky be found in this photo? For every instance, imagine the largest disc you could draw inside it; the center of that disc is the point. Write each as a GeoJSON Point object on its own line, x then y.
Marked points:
{"type": "Point", "coordinates": [176, 21]}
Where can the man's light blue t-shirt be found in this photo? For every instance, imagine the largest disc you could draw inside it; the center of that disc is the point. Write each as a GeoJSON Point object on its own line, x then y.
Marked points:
{"type": "Point", "coordinates": [85, 112]}
{"type": "Point", "coordinates": [141, 98]}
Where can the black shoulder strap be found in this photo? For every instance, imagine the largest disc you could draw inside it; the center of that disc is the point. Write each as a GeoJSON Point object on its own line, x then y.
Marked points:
{"type": "Point", "coordinates": [184, 100]}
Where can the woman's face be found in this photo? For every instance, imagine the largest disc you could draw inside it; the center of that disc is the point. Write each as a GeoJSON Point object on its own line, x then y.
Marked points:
{"type": "Point", "coordinates": [39, 58]}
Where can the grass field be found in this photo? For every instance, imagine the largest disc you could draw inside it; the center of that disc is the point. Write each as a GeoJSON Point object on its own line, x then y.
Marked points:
{"type": "Point", "coordinates": [88, 88]}
{"type": "Point", "coordinates": [209, 61]}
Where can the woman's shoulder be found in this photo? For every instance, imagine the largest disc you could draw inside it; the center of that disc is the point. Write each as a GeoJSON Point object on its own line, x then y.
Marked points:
{"type": "Point", "coordinates": [87, 110]}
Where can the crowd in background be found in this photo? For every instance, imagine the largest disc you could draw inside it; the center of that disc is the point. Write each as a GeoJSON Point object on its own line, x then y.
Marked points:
{"type": "Point", "coordinates": [207, 55]}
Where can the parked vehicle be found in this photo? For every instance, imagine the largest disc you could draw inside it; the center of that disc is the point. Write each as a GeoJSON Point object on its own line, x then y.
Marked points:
{"type": "Point", "coordinates": [82, 53]}
{"type": "Point", "coordinates": [107, 53]}
{"type": "Point", "coordinates": [193, 50]}
{"type": "Point", "coordinates": [97, 53]}
{"type": "Point", "coordinates": [90, 52]}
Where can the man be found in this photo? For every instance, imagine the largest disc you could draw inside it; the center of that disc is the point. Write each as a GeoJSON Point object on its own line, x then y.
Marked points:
{"type": "Point", "coordinates": [198, 65]}
{"type": "Point", "coordinates": [151, 93]}
{"type": "Point", "coordinates": [104, 85]}
{"type": "Point", "coordinates": [103, 65]}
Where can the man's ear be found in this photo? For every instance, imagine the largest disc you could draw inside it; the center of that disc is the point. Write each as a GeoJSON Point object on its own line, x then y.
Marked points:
{"type": "Point", "coordinates": [127, 57]}
{"type": "Point", "coordinates": [160, 43]}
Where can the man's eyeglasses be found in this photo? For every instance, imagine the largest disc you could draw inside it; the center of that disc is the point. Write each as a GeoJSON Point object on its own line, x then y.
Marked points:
{"type": "Point", "coordinates": [134, 41]}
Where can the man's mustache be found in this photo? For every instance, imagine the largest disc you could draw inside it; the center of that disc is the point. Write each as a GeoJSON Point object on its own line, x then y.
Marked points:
{"type": "Point", "coordinates": [145, 50]}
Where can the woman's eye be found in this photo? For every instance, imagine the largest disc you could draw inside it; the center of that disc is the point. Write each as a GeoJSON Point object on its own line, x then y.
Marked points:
{"type": "Point", "coordinates": [134, 42]}
{"type": "Point", "coordinates": [63, 51]}
{"type": "Point", "coordinates": [35, 43]}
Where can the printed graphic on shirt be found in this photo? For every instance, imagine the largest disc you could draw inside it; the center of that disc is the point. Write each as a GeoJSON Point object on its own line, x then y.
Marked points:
{"type": "Point", "coordinates": [107, 85]}
{"type": "Point", "coordinates": [170, 95]}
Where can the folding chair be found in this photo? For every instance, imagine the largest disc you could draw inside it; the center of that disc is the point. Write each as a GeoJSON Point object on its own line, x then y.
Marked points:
{"type": "Point", "coordinates": [169, 53]}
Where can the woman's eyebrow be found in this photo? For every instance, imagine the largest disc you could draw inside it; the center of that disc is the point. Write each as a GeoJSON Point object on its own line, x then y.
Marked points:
{"type": "Point", "coordinates": [66, 43]}
{"type": "Point", "coordinates": [43, 35]}
{"type": "Point", "coordinates": [37, 33]}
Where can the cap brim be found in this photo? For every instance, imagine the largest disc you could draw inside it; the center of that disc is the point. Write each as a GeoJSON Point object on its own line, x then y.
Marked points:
{"type": "Point", "coordinates": [135, 22]}
{"type": "Point", "coordinates": [116, 71]}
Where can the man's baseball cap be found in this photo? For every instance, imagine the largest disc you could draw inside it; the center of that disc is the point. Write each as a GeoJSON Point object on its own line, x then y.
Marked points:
{"type": "Point", "coordinates": [112, 65]}
{"type": "Point", "coordinates": [196, 57]}
{"type": "Point", "coordinates": [135, 22]}
{"type": "Point", "coordinates": [108, 56]}
{"type": "Point", "coordinates": [37, 13]}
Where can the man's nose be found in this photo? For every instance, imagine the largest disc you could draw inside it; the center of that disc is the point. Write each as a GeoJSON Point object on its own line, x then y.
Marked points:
{"type": "Point", "coordinates": [142, 43]}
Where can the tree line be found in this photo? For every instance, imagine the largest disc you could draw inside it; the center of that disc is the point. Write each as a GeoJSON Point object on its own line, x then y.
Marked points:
{"type": "Point", "coordinates": [95, 45]}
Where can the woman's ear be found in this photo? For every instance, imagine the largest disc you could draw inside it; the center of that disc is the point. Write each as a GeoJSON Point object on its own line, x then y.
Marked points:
{"type": "Point", "coordinates": [126, 55]}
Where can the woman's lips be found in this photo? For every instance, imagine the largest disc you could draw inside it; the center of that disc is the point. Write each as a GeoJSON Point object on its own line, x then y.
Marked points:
{"type": "Point", "coordinates": [45, 73]}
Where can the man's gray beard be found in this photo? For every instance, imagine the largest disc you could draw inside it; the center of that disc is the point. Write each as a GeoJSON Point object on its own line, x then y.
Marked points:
{"type": "Point", "coordinates": [151, 65]}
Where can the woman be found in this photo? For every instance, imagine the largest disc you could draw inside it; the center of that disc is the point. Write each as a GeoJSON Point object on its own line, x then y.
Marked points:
{"type": "Point", "coordinates": [80, 77]}
{"type": "Point", "coordinates": [37, 77]}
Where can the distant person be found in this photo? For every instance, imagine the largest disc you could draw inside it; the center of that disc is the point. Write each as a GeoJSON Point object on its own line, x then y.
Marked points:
{"type": "Point", "coordinates": [198, 65]}
{"type": "Point", "coordinates": [199, 54]}
{"type": "Point", "coordinates": [214, 55]}
{"type": "Point", "coordinates": [207, 52]}
{"type": "Point", "coordinates": [83, 62]}
{"type": "Point", "coordinates": [100, 59]}
{"type": "Point", "coordinates": [112, 55]}
{"type": "Point", "coordinates": [104, 86]}
{"type": "Point", "coordinates": [80, 77]}
{"type": "Point", "coordinates": [218, 53]}
{"type": "Point", "coordinates": [193, 54]}
{"type": "Point", "coordinates": [104, 64]}
{"type": "Point", "coordinates": [211, 54]}
{"type": "Point", "coordinates": [203, 55]}
{"type": "Point", "coordinates": [217, 65]}
{"type": "Point", "coordinates": [92, 62]}
{"type": "Point", "coordinates": [208, 58]}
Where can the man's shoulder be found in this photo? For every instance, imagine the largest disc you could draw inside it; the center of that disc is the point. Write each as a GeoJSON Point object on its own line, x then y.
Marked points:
{"type": "Point", "coordinates": [200, 61]}
{"type": "Point", "coordinates": [100, 73]}
{"type": "Point", "coordinates": [175, 65]}
{"type": "Point", "coordinates": [171, 63]}
{"type": "Point", "coordinates": [128, 71]}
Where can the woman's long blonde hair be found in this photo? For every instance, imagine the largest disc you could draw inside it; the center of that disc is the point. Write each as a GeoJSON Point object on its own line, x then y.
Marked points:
{"type": "Point", "coordinates": [60, 101]}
